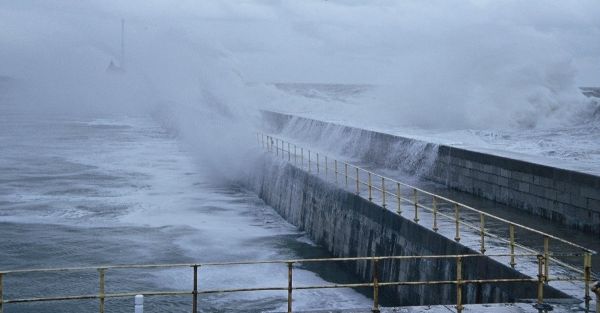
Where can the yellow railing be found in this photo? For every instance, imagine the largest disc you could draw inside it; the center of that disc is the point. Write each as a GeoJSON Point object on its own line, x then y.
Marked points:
{"type": "Point", "coordinates": [394, 193]}
{"type": "Point", "coordinates": [374, 283]}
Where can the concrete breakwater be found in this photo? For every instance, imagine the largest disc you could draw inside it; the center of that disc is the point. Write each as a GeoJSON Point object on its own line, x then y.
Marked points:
{"type": "Point", "coordinates": [567, 197]}
{"type": "Point", "coordinates": [348, 225]}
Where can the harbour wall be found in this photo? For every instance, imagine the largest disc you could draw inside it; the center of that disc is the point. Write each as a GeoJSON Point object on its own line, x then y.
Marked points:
{"type": "Point", "coordinates": [350, 226]}
{"type": "Point", "coordinates": [564, 196]}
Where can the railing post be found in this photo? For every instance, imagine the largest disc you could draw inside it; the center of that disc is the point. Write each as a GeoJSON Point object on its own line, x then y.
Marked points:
{"type": "Point", "coordinates": [336, 170]}
{"type": "Point", "coordinates": [289, 153]}
{"type": "Point", "coordinates": [399, 208]}
{"type": "Point", "coordinates": [269, 144]}
{"type": "Point", "coordinates": [546, 257]}
{"type": "Point", "coordinates": [416, 202]}
{"type": "Point", "coordinates": [1, 294]}
{"type": "Point", "coordinates": [295, 156]}
{"type": "Point", "coordinates": [326, 168]}
{"type": "Point", "coordinates": [596, 290]}
{"type": "Point", "coordinates": [308, 160]}
{"type": "Point", "coordinates": [258, 138]}
{"type": "Point", "coordinates": [346, 173]}
{"type": "Point", "coordinates": [317, 163]}
{"type": "Point", "coordinates": [482, 232]}
{"type": "Point", "coordinates": [101, 293]}
{"type": "Point", "coordinates": [276, 147]}
{"type": "Point", "coordinates": [195, 290]}
{"type": "Point", "coordinates": [369, 185]}
{"type": "Point", "coordinates": [375, 287]}
{"type": "Point", "coordinates": [587, 276]}
{"type": "Point", "coordinates": [262, 137]}
{"type": "Point", "coordinates": [459, 306]}
{"type": "Point", "coordinates": [457, 222]}
{"type": "Point", "coordinates": [540, 291]}
{"type": "Point", "coordinates": [511, 230]}
{"type": "Point", "coordinates": [357, 182]}
{"type": "Point", "coordinates": [302, 158]}
{"type": "Point", "coordinates": [435, 213]}
{"type": "Point", "coordinates": [290, 288]}
{"type": "Point", "coordinates": [383, 192]}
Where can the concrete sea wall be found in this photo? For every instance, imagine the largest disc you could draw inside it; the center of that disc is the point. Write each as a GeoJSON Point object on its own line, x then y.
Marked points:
{"type": "Point", "coordinates": [348, 225]}
{"type": "Point", "coordinates": [568, 197]}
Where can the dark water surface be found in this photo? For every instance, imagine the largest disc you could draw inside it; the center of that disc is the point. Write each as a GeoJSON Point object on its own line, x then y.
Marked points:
{"type": "Point", "coordinates": [120, 190]}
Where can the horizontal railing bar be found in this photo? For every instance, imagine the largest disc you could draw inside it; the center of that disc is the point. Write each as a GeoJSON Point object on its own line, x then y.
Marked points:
{"type": "Point", "coordinates": [242, 290]}
{"type": "Point", "coordinates": [329, 286]}
{"type": "Point", "coordinates": [97, 296]}
{"type": "Point", "coordinates": [143, 266]}
{"type": "Point", "coordinates": [24, 300]}
{"type": "Point", "coordinates": [432, 282]}
{"type": "Point", "coordinates": [450, 201]}
{"type": "Point", "coordinates": [550, 278]}
{"type": "Point", "coordinates": [87, 268]}
{"type": "Point", "coordinates": [465, 281]}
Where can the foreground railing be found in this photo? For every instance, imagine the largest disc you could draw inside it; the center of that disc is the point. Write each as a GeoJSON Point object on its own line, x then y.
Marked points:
{"type": "Point", "coordinates": [393, 193]}
{"type": "Point", "coordinates": [375, 283]}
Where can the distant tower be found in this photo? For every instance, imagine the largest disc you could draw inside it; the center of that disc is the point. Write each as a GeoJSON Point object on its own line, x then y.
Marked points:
{"type": "Point", "coordinates": [120, 68]}
{"type": "Point", "coordinates": [122, 44]}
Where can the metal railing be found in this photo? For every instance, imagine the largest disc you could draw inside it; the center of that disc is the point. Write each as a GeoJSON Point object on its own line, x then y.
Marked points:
{"type": "Point", "coordinates": [459, 281]}
{"type": "Point", "coordinates": [394, 193]}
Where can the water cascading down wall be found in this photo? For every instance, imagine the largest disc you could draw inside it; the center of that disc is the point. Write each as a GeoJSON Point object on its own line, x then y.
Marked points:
{"type": "Point", "coordinates": [564, 196]}
{"type": "Point", "coordinates": [349, 226]}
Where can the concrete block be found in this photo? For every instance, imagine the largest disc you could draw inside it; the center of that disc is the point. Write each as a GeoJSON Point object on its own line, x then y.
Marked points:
{"type": "Point", "coordinates": [502, 181]}
{"type": "Point", "coordinates": [593, 205]}
{"type": "Point", "coordinates": [504, 173]}
{"type": "Point", "coordinates": [492, 178]}
{"type": "Point", "coordinates": [546, 182]}
{"type": "Point", "coordinates": [488, 168]}
{"type": "Point", "coordinates": [526, 177]}
{"type": "Point", "coordinates": [550, 194]}
{"type": "Point", "coordinates": [524, 187]}
{"type": "Point", "coordinates": [578, 201]}
{"type": "Point", "coordinates": [592, 193]}
{"type": "Point", "coordinates": [560, 186]}
{"type": "Point", "coordinates": [470, 173]}
{"type": "Point", "coordinates": [458, 162]}
{"type": "Point", "coordinates": [482, 176]}
{"type": "Point", "coordinates": [513, 184]}
{"type": "Point", "coordinates": [537, 190]}
{"type": "Point", "coordinates": [504, 193]}
{"type": "Point", "coordinates": [563, 197]}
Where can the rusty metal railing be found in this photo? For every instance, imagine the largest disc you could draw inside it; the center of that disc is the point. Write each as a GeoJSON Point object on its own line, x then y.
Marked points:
{"type": "Point", "coordinates": [392, 192]}
{"type": "Point", "coordinates": [459, 281]}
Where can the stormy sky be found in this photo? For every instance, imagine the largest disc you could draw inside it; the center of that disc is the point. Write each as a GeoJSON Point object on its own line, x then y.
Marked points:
{"type": "Point", "coordinates": [452, 52]}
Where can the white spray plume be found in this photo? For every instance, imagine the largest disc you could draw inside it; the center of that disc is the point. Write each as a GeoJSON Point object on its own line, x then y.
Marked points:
{"type": "Point", "coordinates": [448, 64]}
